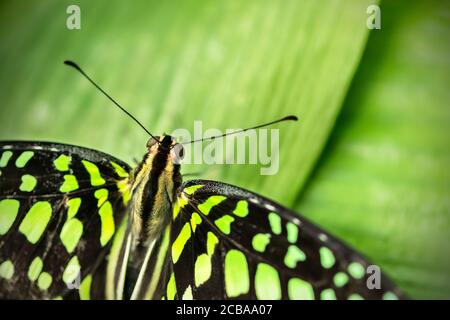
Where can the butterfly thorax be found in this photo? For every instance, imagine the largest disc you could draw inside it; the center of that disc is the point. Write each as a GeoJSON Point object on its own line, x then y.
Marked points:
{"type": "Point", "coordinates": [154, 185]}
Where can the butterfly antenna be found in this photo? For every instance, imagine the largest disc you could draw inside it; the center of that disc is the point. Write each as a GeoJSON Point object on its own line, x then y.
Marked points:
{"type": "Point", "coordinates": [287, 118]}
{"type": "Point", "coordinates": [77, 67]}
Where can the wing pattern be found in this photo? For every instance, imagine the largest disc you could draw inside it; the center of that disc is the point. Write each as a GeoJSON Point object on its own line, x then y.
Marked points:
{"type": "Point", "coordinates": [59, 209]}
{"type": "Point", "coordinates": [61, 205]}
{"type": "Point", "coordinates": [228, 243]}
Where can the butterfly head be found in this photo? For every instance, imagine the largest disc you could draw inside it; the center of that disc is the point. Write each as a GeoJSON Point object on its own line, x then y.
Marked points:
{"type": "Point", "coordinates": [154, 185]}
{"type": "Point", "coordinates": [166, 144]}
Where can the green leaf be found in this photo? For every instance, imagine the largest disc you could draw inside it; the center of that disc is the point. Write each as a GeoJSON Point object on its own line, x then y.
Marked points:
{"type": "Point", "coordinates": [383, 182]}
{"type": "Point", "coordinates": [231, 64]}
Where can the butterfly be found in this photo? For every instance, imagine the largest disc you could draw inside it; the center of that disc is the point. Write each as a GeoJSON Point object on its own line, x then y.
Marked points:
{"type": "Point", "coordinates": [76, 223]}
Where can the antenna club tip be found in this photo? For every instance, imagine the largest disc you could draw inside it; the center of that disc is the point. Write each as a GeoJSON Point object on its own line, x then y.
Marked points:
{"type": "Point", "coordinates": [72, 64]}
{"type": "Point", "coordinates": [291, 117]}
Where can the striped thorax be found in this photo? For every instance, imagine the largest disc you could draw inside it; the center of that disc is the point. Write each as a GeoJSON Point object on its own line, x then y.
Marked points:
{"type": "Point", "coordinates": [153, 187]}
{"type": "Point", "coordinates": [153, 190]}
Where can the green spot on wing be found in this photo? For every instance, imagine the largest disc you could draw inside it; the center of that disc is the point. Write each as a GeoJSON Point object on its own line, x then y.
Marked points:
{"type": "Point", "coordinates": [326, 257]}
{"type": "Point", "coordinates": [6, 155]}
{"type": "Point", "coordinates": [340, 279]}
{"type": "Point", "coordinates": [292, 232]}
{"type": "Point", "coordinates": [121, 172]}
{"type": "Point", "coordinates": [328, 294]}
{"type": "Point", "coordinates": [8, 213]}
{"type": "Point", "coordinates": [195, 220]}
{"type": "Point", "coordinates": [224, 223]}
{"type": "Point", "coordinates": [62, 163]}
{"type": "Point", "coordinates": [294, 255]}
{"type": "Point", "coordinates": [36, 220]}
{"type": "Point", "coordinates": [241, 209]}
{"type": "Point", "coordinates": [180, 242]}
{"type": "Point", "coordinates": [275, 223]}
{"type": "Point", "coordinates": [107, 223]}
{"type": "Point", "coordinates": [237, 280]}
{"type": "Point", "coordinates": [171, 288]}
{"type": "Point", "coordinates": [187, 295]}
{"type": "Point", "coordinates": [71, 233]}
{"type": "Point", "coordinates": [28, 183]}
{"type": "Point", "coordinates": [202, 269]}
{"type": "Point", "coordinates": [299, 289]}
{"type": "Point", "coordinates": [260, 241]}
{"type": "Point", "coordinates": [211, 242]}
{"type": "Point", "coordinates": [35, 269]}
{"type": "Point", "coordinates": [85, 288]}
{"type": "Point", "coordinates": [44, 281]}
{"type": "Point", "coordinates": [191, 189]}
{"type": "Point", "coordinates": [70, 183]}
{"type": "Point", "coordinates": [24, 158]}
{"type": "Point", "coordinates": [101, 195]}
{"type": "Point", "coordinates": [212, 201]}
{"type": "Point", "coordinates": [267, 283]}
{"type": "Point", "coordinates": [73, 205]}
{"type": "Point", "coordinates": [356, 270]}
{"type": "Point", "coordinates": [71, 271]}
{"type": "Point", "coordinates": [6, 269]}
{"type": "Point", "coordinates": [94, 172]}
{"type": "Point", "coordinates": [179, 203]}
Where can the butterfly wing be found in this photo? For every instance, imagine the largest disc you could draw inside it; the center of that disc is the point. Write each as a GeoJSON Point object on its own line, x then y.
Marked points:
{"type": "Point", "coordinates": [60, 206]}
{"type": "Point", "coordinates": [228, 243]}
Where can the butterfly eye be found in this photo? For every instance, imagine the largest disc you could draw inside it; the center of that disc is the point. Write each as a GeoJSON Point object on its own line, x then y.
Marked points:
{"type": "Point", "coordinates": [152, 142]}
{"type": "Point", "coordinates": [177, 153]}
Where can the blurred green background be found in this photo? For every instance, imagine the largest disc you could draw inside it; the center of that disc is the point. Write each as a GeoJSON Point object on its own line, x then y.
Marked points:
{"type": "Point", "coordinates": [368, 160]}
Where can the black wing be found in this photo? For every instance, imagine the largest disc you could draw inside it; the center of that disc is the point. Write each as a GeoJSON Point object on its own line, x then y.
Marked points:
{"type": "Point", "coordinates": [60, 206]}
{"type": "Point", "coordinates": [228, 243]}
